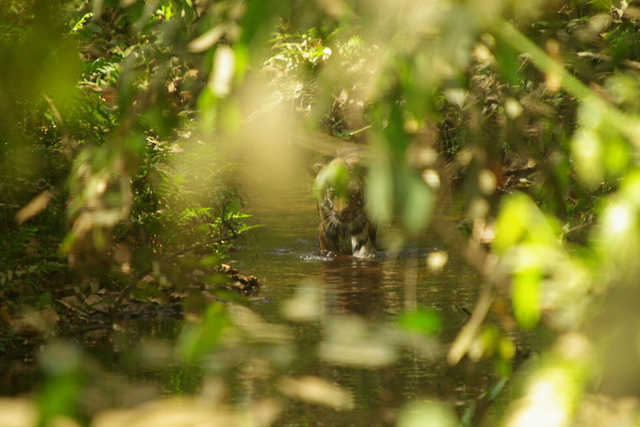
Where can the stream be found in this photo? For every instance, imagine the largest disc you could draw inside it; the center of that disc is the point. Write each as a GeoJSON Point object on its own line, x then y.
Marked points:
{"type": "Point", "coordinates": [341, 312]}
{"type": "Point", "coordinates": [284, 253]}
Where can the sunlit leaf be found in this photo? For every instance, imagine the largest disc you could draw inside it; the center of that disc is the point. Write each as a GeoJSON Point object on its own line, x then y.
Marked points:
{"type": "Point", "coordinates": [588, 154]}
{"type": "Point", "coordinates": [316, 390]}
{"type": "Point", "coordinates": [168, 411]}
{"type": "Point", "coordinates": [36, 205]}
{"type": "Point", "coordinates": [418, 203]}
{"type": "Point", "coordinates": [206, 40]}
{"type": "Point", "coordinates": [305, 305]}
{"type": "Point", "coordinates": [207, 106]}
{"type": "Point", "coordinates": [379, 190]}
{"type": "Point", "coordinates": [619, 235]}
{"type": "Point", "coordinates": [617, 156]}
{"type": "Point", "coordinates": [223, 71]}
{"type": "Point", "coordinates": [334, 176]}
{"type": "Point", "coordinates": [427, 413]}
{"type": "Point", "coordinates": [623, 88]}
{"type": "Point", "coordinates": [256, 328]}
{"type": "Point", "coordinates": [511, 223]}
{"type": "Point", "coordinates": [351, 342]}
{"type": "Point", "coordinates": [424, 321]}
{"type": "Point", "coordinates": [18, 412]}
{"type": "Point", "coordinates": [521, 220]}
{"type": "Point", "coordinates": [554, 385]}
{"type": "Point", "coordinates": [80, 23]}
{"type": "Point", "coordinates": [525, 291]}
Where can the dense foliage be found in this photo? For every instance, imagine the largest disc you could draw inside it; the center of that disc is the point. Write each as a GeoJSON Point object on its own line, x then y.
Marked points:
{"type": "Point", "coordinates": [120, 124]}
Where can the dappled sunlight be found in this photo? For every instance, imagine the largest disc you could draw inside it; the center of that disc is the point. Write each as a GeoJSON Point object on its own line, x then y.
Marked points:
{"type": "Point", "coordinates": [19, 412]}
{"type": "Point", "coordinates": [553, 390]}
{"type": "Point", "coordinates": [390, 212]}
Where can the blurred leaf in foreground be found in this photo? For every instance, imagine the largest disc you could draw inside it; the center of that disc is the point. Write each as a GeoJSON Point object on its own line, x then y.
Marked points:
{"type": "Point", "coordinates": [426, 322]}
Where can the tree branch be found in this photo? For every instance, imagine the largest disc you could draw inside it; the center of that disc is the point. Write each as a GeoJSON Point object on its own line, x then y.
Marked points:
{"type": "Point", "coordinates": [140, 275]}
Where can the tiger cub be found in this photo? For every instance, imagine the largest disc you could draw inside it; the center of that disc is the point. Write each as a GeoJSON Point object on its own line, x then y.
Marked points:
{"type": "Point", "coordinates": [339, 187]}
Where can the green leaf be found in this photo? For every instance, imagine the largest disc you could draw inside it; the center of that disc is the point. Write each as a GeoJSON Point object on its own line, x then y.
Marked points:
{"type": "Point", "coordinates": [521, 221]}
{"type": "Point", "coordinates": [507, 59]}
{"type": "Point", "coordinates": [418, 203]}
{"type": "Point", "coordinates": [197, 340]}
{"type": "Point", "coordinates": [525, 292]}
{"type": "Point", "coordinates": [78, 25]}
{"type": "Point", "coordinates": [588, 151]}
{"type": "Point", "coordinates": [427, 413]}
{"type": "Point", "coordinates": [426, 322]}
{"type": "Point", "coordinates": [59, 395]}
{"type": "Point", "coordinates": [207, 106]}
{"type": "Point", "coordinates": [511, 222]}
{"type": "Point", "coordinates": [379, 190]}
{"type": "Point", "coordinates": [335, 176]}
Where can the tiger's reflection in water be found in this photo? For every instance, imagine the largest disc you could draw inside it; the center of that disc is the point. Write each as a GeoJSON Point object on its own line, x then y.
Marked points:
{"type": "Point", "coordinates": [353, 286]}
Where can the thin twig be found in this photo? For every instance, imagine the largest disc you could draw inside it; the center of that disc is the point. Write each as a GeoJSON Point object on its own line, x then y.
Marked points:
{"type": "Point", "coordinates": [468, 332]}
{"type": "Point", "coordinates": [578, 227]}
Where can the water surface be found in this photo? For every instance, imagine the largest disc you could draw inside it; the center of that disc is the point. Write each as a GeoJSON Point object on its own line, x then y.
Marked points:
{"type": "Point", "coordinates": [340, 315]}
{"type": "Point", "coordinates": [284, 253]}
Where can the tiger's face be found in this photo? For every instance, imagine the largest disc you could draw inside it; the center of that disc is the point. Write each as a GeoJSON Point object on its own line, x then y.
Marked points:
{"type": "Point", "coordinates": [344, 205]}
{"type": "Point", "coordinates": [341, 206]}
